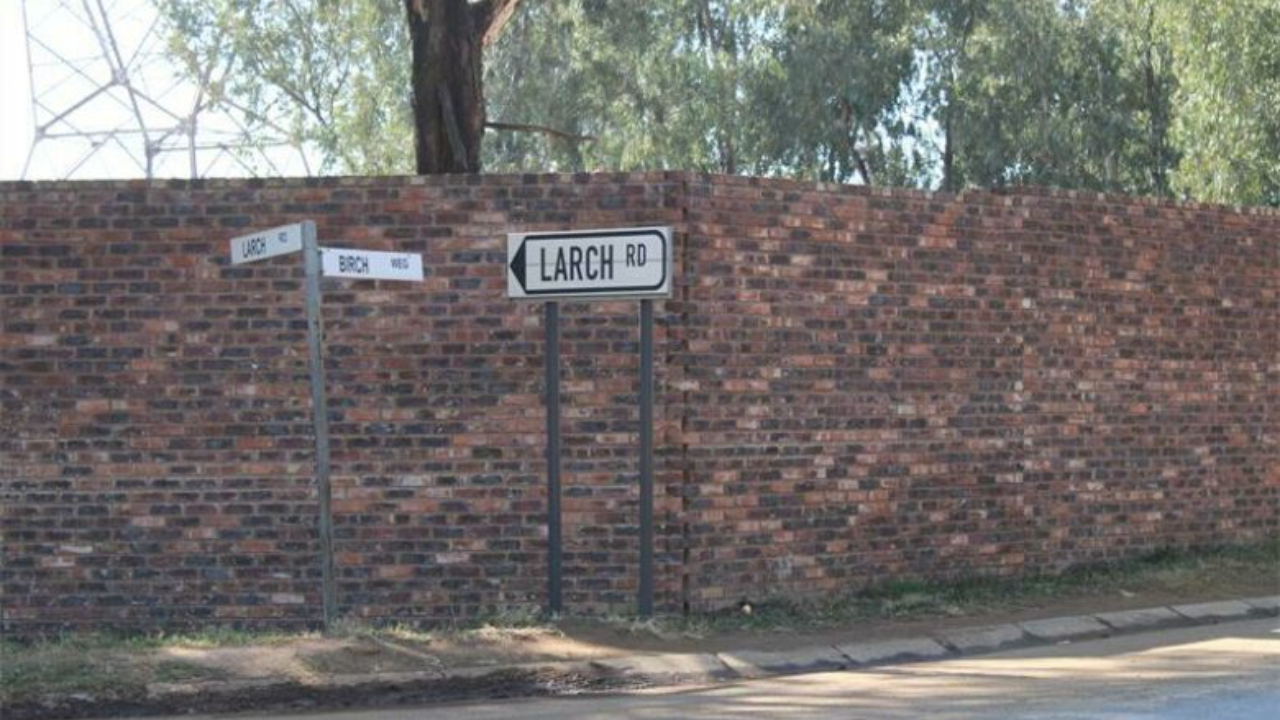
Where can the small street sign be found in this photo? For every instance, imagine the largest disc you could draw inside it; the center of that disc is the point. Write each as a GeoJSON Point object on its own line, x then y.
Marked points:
{"type": "Point", "coordinates": [332, 262]}
{"type": "Point", "coordinates": [621, 263]}
{"type": "Point", "coordinates": [266, 244]}
{"type": "Point", "coordinates": [371, 264]}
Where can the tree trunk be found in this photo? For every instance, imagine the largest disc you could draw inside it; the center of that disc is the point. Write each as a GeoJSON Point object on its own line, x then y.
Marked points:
{"type": "Point", "coordinates": [950, 182]}
{"type": "Point", "coordinates": [948, 150]}
{"type": "Point", "coordinates": [447, 39]}
{"type": "Point", "coordinates": [1157, 122]}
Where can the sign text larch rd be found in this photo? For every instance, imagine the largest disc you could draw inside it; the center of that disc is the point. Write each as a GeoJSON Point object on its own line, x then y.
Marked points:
{"type": "Point", "coordinates": [266, 244]}
{"type": "Point", "coordinates": [634, 262]}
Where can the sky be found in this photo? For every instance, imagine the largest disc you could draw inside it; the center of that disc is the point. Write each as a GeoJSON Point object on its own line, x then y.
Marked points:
{"type": "Point", "coordinates": [70, 73]}
{"type": "Point", "coordinates": [15, 92]}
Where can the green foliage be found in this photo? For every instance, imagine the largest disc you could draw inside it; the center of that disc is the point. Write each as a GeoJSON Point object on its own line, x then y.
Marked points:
{"type": "Point", "coordinates": [330, 73]}
{"type": "Point", "coordinates": [1227, 56]}
{"type": "Point", "coordinates": [839, 93]}
{"type": "Point", "coordinates": [658, 85]}
{"type": "Point", "coordinates": [1139, 96]}
{"type": "Point", "coordinates": [1046, 92]}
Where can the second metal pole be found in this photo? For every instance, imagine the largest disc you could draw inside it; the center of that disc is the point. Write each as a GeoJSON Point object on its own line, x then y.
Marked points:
{"type": "Point", "coordinates": [646, 458]}
{"type": "Point", "coordinates": [555, 603]}
{"type": "Point", "coordinates": [320, 412]}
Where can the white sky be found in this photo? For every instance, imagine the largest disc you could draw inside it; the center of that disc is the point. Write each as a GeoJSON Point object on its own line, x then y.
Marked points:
{"type": "Point", "coordinates": [15, 93]}
{"type": "Point", "coordinates": [70, 73]}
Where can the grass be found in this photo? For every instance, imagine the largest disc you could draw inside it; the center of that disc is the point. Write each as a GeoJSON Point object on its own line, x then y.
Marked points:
{"type": "Point", "coordinates": [109, 664]}
{"type": "Point", "coordinates": [508, 623]}
{"type": "Point", "coordinates": [62, 668]}
{"type": "Point", "coordinates": [1167, 571]}
{"type": "Point", "coordinates": [112, 665]}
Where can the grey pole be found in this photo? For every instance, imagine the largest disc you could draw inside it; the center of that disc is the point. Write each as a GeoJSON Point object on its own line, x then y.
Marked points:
{"type": "Point", "coordinates": [646, 458]}
{"type": "Point", "coordinates": [554, 548]}
{"type": "Point", "coordinates": [320, 413]}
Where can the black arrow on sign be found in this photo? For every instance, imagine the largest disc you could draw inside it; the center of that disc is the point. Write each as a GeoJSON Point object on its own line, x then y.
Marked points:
{"type": "Point", "coordinates": [517, 266]}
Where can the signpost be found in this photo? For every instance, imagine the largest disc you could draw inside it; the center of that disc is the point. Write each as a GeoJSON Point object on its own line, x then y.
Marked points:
{"type": "Point", "coordinates": [326, 262]}
{"type": "Point", "coordinates": [320, 417]}
{"type": "Point", "coordinates": [630, 263]}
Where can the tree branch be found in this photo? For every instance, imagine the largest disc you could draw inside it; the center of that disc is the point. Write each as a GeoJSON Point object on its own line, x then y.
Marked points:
{"type": "Point", "coordinates": [526, 127]}
{"type": "Point", "coordinates": [491, 17]}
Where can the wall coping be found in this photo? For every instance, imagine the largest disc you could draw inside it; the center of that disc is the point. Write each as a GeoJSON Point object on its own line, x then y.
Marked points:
{"type": "Point", "coordinates": [1010, 195]}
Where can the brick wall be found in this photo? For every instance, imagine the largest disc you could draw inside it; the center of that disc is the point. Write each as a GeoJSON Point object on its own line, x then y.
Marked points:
{"type": "Point", "coordinates": [853, 385]}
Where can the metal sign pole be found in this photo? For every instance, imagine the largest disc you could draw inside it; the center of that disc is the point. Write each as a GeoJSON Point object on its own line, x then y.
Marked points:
{"type": "Point", "coordinates": [646, 459]}
{"type": "Point", "coordinates": [555, 603]}
{"type": "Point", "coordinates": [320, 413]}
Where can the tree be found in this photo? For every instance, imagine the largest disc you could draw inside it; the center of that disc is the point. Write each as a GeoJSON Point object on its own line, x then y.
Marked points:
{"type": "Point", "coordinates": [329, 74]}
{"type": "Point", "coordinates": [752, 86]}
{"type": "Point", "coordinates": [944, 34]}
{"type": "Point", "coordinates": [1050, 92]}
{"type": "Point", "coordinates": [659, 84]}
{"type": "Point", "coordinates": [840, 90]}
{"type": "Point", "coordinates": [1141, 96]}
{"type": "Point", "coordinates": [447, 38]}
{"type": "Point", "coordinates": [1227, 57]}
{"type": "Point", "coordinates": [335, 72]}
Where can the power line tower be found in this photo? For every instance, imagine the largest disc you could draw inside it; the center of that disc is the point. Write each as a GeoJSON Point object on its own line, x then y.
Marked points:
{"type": "Point", "coordinates": [107, 102]}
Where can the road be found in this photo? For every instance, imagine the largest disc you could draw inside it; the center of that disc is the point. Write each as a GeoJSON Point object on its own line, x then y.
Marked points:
{"type": "Point", "coordinates": [1229, 671]}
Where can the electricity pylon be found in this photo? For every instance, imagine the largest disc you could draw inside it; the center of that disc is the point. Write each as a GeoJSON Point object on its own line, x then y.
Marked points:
{"type": "Point", "coordinates": [107, 102]}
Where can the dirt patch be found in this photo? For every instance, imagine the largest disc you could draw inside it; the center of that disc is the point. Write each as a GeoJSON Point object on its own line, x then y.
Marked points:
{"type": "Point", "coordinates": [367, 655]}
{"type": "Point", "coordinates": [297, 697]}
{"type": "Point", "coordinates": [282, 661]}
{"type": "Point", "coordinates": [502, 646]}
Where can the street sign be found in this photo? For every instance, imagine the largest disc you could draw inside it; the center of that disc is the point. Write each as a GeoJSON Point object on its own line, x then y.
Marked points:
{"type": "Point", "coordinates": [622, 263]}
{"type": "Point", "coordinates": [371, 264]}
{"type": "Point", "coordinates": [266, 244]}
{"type": "Point", "coordinates": [331, 262]}
{"type": "Point", "coordinates": [582, 265]}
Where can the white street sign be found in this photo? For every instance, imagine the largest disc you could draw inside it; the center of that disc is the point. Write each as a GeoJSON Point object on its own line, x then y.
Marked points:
{"type": "Point", "coordinates": [266, 244]}
{"type": "Point", "coordinates": [371, 264]}
{"type": "Point", "coordinates": [621, 263]}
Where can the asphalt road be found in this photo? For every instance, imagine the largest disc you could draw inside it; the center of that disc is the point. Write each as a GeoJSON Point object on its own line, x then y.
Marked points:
{"type": "Point", "coordinates": [1228, 672]}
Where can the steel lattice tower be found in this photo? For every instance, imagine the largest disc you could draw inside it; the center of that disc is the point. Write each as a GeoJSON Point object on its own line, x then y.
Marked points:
{"type": "Point", "coordinates": [106, 101]}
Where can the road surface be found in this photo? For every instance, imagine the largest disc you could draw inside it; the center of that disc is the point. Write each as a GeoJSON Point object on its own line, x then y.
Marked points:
{"type": "Point", "coordinates": [1225, 672]}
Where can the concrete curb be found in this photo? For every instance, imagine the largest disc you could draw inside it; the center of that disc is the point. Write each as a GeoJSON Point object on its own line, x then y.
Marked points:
{"type": "Point", "coordinates": [962, 642]}
{"type": "Point", "coordinates": [760, 663]}
{"type": "Point", "coordinates": [1215, 611]}
{"type": "Point", "coordinates": [1265, 606]}
{"type": "Point", "coordinates": [681, 668]}
{"type": "Point", "coordinates": [973, 641]}
{"type": "Point", "coordinates": [1139, 620]}
{"type": "Point", "coordinates": [892, 651]}
{"type": "Point", "coordinates": [1065, 629]}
